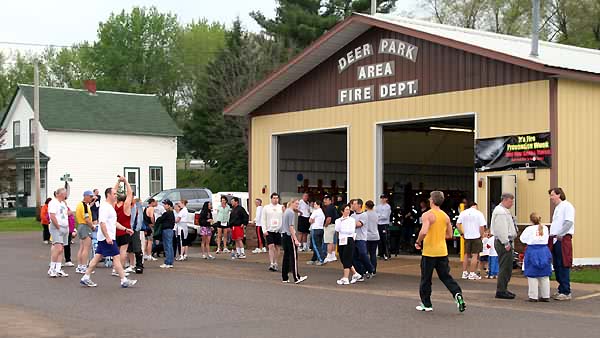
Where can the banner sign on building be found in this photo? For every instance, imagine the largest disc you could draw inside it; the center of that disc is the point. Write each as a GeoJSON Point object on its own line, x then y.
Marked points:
{"type": "Point", "coordinates": [513, 152]}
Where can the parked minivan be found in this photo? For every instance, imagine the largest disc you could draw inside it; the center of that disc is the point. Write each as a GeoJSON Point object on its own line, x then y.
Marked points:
{"type": "Point", "coordinates": [195, 197]}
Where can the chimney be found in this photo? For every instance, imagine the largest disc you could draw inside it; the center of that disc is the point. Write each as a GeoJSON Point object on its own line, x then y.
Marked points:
{"type": "Point", "coordinates": [90, 85]}
{"type": "Point", "coordinates": [535, 28]}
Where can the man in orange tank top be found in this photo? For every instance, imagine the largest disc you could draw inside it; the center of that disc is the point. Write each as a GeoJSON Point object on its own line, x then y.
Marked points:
{"type": "Point", "coordinates": [432, 240]}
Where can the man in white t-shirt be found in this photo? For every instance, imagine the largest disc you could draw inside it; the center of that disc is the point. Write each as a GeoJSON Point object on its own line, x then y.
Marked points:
{"type": "Point", "coordinates": [107, 245]}
{"type": "Point", "coordinates": [272, 216]}
{"type": "Point", "coordinates": [561, 234]}
{"type": "Point", "coordinates": [471, 224]}
{"type": "Point", "coordinates": [303, 222]}
{"type": "Point", "coordinates": [260, 237]}
{"type": "Point", "coordinates": [59, 230]}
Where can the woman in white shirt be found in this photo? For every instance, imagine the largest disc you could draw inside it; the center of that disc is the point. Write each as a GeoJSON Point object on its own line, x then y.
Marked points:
{"type": "Point", "coordinates": [538, 259]}
{"type": "Point", "coordinates": [181, 222]}
{"type": "Point", "coordinates": [345, 226]}
{"type": "Point", "coordinates": [316, 220]}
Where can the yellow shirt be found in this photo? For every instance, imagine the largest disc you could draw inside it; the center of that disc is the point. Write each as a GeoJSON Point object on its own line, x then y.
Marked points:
{"type": "Point", "coordinates": [80, 213]}
{"type": "Point", "coordinates": [434, 244]}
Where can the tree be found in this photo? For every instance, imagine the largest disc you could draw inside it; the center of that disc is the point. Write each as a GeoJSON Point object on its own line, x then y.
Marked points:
{"type": "Point", "coordinates": [219, 140]}
{"type": "Point", "coordinates": [298, 23]}
{"type": "Point", "coordinates": [136, 52]}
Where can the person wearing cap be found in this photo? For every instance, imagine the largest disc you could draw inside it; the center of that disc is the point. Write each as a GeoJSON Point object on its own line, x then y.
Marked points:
{"type": "Point", "coordinates": [166, 222]}
{"type": "Point", "coordinates": [85, 228]}
{"type": "Point", "coordinates": [384, 212]}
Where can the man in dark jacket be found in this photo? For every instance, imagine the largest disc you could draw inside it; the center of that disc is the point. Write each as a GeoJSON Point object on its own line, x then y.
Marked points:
{"type": "Point", "coordinates": [238, 218]}
{"type": "Point", "coordinates": [166, 223]}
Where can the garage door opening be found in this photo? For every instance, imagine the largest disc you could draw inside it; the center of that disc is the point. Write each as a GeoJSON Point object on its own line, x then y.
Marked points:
{"type": "Point", "coordinates": [420, 157]}
{"type": "Point", "coordinates": [315, 162]}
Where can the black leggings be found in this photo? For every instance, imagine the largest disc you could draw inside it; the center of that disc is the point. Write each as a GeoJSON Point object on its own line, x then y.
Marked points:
{"type": "Point", "coordinates": [46, 232]}
{"type": "Point", "coordinates": [347, 253]}
{"type": "Point", "coordinates": [442, 267]}
{"type": "Point", "coordinates": [384, 232]}
{"type": "Point", "coordinates": [290, 258]}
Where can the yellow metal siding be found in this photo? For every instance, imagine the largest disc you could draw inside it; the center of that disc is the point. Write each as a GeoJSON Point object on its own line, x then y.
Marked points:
{"type": "Point", "coordinates": [578, 150]}
{"type": "Point", "coordinates": [506, 110]}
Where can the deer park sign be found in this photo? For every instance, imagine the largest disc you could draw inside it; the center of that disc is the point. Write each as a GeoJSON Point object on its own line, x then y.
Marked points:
{"type": "Point", "coordinates": [378, 70]}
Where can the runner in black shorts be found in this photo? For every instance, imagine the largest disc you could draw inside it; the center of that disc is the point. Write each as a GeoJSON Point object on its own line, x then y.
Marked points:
{"type": "Point", "coordinates": [303, 222]}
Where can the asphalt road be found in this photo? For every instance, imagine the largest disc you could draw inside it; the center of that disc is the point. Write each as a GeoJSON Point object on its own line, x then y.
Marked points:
{"type": "Point", "coordinates": [225, 298]}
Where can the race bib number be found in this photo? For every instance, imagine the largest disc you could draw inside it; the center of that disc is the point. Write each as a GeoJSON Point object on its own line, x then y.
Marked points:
{"type": "Point", "coordinates": [223, 224]}
{"type": "Point", "coordinates": [275, 222]}
{"type": "Point", "coordinates": [343, 241]}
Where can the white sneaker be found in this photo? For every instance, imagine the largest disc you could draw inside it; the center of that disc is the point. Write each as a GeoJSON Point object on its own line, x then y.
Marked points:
{"type": "Point", "coordinates": [264, 250]}
{"type": "Point", "coordinates": [69, 264]}
{"type": "Point", "coordinates": [211, 257]}
{"type": "Point", "coordinates": [301, 249]}
{"type": "Point", "coordinates": [242, 256]}
{"type": "Point", "coordinates": [424, 308]}
{"type": "Point", "coordinates": [152, 258]}
{"type": "Point", "coordinates": [465, 275]}
{"type": "Point", "coordinates": [52, 273]}
{"type": "Point", "coordinates": [166, 266]}
{"type": "Point", "coordinates": [302, 279]}
{"type": "Point", "coordinates": [226, 250]}
{"type": "Point", "coordinates": [130, 269]}
{"type": "Point", "coordinates": [343, 281]}
{"type": "Point", "coordinates": [127, 283]}
{"type": "Point", "coordinates": [355, 278]}
{"type": "Point", "coordinates": [333, 258]}
{"type": "Point", "coordinates": [204, 257]}
{"type": "Point", "coordinates": [474, 276]}
{"type": "Point", "coordinates": [61, 273]}
{"type": "Point", "coordinates": [218, 251]}
{"type": "Point", "coordinates": [257, 250]}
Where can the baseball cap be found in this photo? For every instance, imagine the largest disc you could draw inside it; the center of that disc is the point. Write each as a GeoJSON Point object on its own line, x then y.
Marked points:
{"type": "Point", "coordinates": [383, 196]}
{"type": "Point", "coordinates": [88, 193]}
{"type": "Point", "coordinates": [327, 197]}
{"type": "Point", "coordinates": [167, 202]}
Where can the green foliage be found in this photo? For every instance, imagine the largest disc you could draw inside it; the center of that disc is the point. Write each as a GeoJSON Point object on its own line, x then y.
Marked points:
{"type": "Point", "coordinates": [588, 275]}
{"type": "Point", "coordinates": [298, 23]}
{"type": "Point", "coordinates": [19, 224]}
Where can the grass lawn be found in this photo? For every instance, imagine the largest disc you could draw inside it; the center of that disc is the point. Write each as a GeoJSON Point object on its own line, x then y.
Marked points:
{"type": "Point", "coordinates": [19, 224]}
{"type": "Point", "coordinates": [590, 275]}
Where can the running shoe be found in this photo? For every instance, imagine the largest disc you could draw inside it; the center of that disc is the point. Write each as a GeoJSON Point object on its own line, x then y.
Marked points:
{"type": "Point", "coordinates": [301, 279]}
{"type": "Point", "coordinates": [285, 281]}
{"type": "Point", "coordinates": [474, 276]}
{"type": "Point", "coordinates": [257, 250]}
{"type": "Point", "coordinates": [343, 281]}
{"type": "Point", "coordinates": [152, 258]}
{"type": "Point", "coordinates": [166, 266]}
{"type": "Point", "coordinates": [226, 250]}
{"type": "Point", "coordinates": [128, 282]}
{"type": "Point", "coordinates": [465, 275]}
{"type": "Point", "coordinates": [61, 273]}
{"type": "Point", "coordinates": [310, 263]}
{"type": "Point", "coordinates": [52, 274]}
{"type": "Point", "coordinates": [242, 256]}
{"type": "Point", "coordinates": [276, 267]}
{"type": "Point", "coordinates": [218, 251]}
{"type": "Point", "coordinates": [355, 278]}
{"type": "Point", "coordinates": [204, 257]}
{"type": "Point", "coordinates": [272, 267]}
{"type": "Point", "coordinates": [87, 282]}
{"type": "Point", "coordinates": [211, 257]}
{"type": "Point", "coordinates": [115, 274]}
{"type": "Point", "coordinates": [130, 269]}
{"type": "Point", "coordinates": [562, 297]}
{"type": "Point", "coordinates": [460, 302]}
{"type": "Point", "coordinates": [264, 250]}
{"type": "Point", "coordinates": [424, 308]}
{"type": "Point", "coordinates": [69, 264]}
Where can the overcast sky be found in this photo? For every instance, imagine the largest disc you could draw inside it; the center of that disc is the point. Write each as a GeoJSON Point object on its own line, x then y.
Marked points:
{"type": "Point", "coordinates": [64, 22]}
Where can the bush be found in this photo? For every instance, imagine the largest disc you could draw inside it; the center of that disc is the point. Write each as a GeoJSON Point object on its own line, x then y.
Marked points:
{"type": "Point", "coordinates": [209, 178]}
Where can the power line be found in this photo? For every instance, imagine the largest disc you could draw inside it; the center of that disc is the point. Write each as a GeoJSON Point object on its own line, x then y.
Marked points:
{"type": "Point", "coordinates": [32, 44]}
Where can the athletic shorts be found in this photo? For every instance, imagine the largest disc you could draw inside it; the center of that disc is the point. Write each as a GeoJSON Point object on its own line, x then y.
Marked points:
{"type": "Point", "coordinates": [303, 225]}
{"type": "Point", "coordinates": [473, 246]}
{"type": "Point", "coordinates": [484, 258]}
{"type": "Point", "coordinates": [135, 245]}
{"type": "Point", "coordinates": [59, 236]}
{"type": "Point", "coordinates": [84, 231]}
{"type": "Point", "coordinates": [273, 238]}
{"type": "Point", "coordinates": [205, 231]}
{"type": "Point", "coordinates": [329, 234]}
{"type": "Point", "coordinates": [237, 233]}
{"type": "Point", "coordinates": [219, 225]}
{"type": "Point", "coordinates": [185, 240]}
{"type": "Point", "coordinates": [123, 240]}
{"type": "Point", "coordinates": [107, 250]}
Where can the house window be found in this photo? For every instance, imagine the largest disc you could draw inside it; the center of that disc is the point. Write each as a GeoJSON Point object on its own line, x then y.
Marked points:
{"type": "Point", "coordinates": [42, 178]}
{"type": "Point", "coordinates": [156, 180]}
{"type": "Point", "coordinates": [31, 132]}
{"type": "Point", "coordinates": [27, 173]}
{"type": "Point", "coordinates": [16, 134]}
{"type": "Point", "coordinates": [133, 177]}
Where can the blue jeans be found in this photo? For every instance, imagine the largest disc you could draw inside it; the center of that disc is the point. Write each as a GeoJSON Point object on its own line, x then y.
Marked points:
{"type": "Point", "coordinates": [316, 237]}
{"type": "Point", "coordinates": [167, 239]}
{"type": "Point", "coordinates": [493, 266]}
{"type": "Point", "coordinates": [362, 263]}
{"type": "Point", "coordinates": [372, 250]}
{"type": "Point", "coordinates": [563, 275]}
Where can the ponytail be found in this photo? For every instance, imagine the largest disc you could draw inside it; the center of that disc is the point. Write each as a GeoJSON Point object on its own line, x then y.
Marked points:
{"type": "Point", "coordinates": [537, 220]}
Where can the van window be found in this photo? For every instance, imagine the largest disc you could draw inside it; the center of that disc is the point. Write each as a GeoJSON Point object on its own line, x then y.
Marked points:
{"type": "Point", "coordinates": [174, 196]}
{"type": "Point", "coordinates": [202, 194]}
{"type": "Point", "coordinates": [189, 194]}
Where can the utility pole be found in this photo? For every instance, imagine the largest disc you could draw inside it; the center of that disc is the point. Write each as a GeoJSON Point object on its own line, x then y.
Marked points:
{"type": "Point", "coordinates": [373, 7]}
{"type": "Point", "coordinates": [36, 137]}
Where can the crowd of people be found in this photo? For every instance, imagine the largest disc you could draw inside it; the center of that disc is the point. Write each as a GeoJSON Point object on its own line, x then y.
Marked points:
{"type": "Point", "coordinates": [118, 230]}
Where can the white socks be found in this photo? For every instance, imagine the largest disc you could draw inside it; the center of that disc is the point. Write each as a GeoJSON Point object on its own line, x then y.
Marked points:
{"type": "Point", "coordinates": [57, 266]}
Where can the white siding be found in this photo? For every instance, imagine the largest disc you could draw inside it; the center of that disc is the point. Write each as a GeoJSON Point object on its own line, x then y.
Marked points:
{"type": "Point", "coordinates": [94, 160]}
{"type": "Point", "coordinates": [22, 111]}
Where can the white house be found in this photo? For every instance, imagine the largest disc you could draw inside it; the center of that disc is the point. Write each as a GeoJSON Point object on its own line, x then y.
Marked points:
{"type": "Point", "coordinates": [91, 136]}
